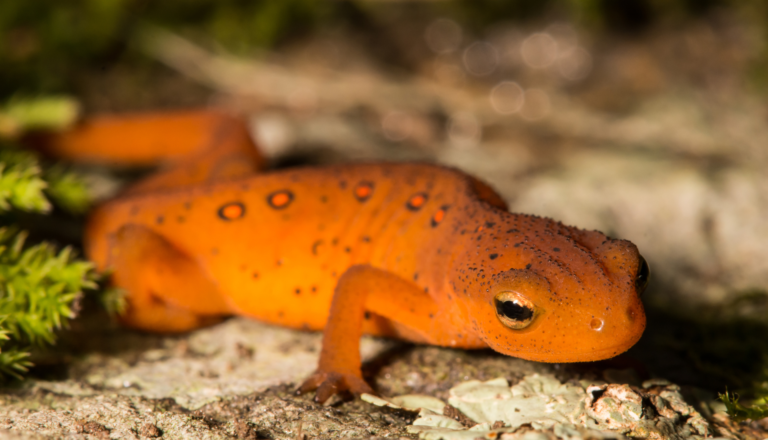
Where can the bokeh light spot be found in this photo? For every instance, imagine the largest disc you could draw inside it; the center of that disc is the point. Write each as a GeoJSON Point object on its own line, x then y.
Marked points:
{"type": "Point", "coordinates": [507, 97]}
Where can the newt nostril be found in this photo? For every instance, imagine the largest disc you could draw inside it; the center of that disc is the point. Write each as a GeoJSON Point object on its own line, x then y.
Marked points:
{"type": "Point", "coordinates": [631, 314]}
{"type": "Point", "coordinates": [596, 324]}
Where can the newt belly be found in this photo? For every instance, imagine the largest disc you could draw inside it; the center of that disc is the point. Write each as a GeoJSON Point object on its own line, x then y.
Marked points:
{"type": "Point", "coordinates": [415, 251]}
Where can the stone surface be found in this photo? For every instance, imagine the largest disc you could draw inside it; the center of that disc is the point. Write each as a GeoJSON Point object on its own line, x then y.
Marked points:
{"type": "Point", "coordinates": [235, 358]}
{"type": "Point", "coordinates": [492, 410]}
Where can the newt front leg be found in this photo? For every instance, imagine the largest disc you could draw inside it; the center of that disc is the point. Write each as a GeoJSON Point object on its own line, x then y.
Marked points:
{"type": "Point", "coordinates": [362, 289]}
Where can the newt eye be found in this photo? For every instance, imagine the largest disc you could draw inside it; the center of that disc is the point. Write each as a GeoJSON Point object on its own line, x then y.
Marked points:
{"type": "Point", "coordinates": [514, 310]}
{"type": "Point", "coordinates": [643, 275]}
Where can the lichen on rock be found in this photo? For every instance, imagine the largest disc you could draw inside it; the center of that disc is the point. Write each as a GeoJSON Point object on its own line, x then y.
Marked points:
{"type": "Point", "coordinates": [540, 406]}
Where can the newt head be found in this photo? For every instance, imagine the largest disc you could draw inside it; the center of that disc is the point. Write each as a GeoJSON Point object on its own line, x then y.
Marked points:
{"type": "Point", "coordinates": [578, 304]}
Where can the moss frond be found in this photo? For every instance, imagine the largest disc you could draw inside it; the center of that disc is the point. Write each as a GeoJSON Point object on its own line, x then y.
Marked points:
{"type": "Point", "coordinates": [66, 189]}
{"type": "Point", "coordinates": [114, 301]}
{"type": "Point", "coordinates": [14, 363]}
{"type": "Point", "coordinates": [738, 412]}
{"type": "Point", "coordinates": [21, 184]}
{"type": "Point", "coordinates": [21, 114]}
{"type": "Point", "coordinates": [39, 287]}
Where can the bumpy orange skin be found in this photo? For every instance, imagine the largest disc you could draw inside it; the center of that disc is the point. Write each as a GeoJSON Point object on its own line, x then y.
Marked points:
{"type": "Point", "coordinates": [409, 250]}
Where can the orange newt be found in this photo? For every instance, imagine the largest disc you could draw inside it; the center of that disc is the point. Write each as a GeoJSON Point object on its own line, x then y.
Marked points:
{"type": "Point", "coordinates": [414, 251]}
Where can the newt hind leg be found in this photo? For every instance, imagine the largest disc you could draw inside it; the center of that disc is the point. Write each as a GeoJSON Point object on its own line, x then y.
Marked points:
{"type": "Point", "coordinates": [168, 292]}
{"type": "Point", "coordinates": [192, 147]}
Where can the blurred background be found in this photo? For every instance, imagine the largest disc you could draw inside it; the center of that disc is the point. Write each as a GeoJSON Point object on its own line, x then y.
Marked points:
{"type": "Point", "coordinates": [645, 119]}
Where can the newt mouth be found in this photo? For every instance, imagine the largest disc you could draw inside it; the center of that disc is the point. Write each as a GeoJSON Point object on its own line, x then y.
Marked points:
{"type": "Point", "coordinates": [580, 356]}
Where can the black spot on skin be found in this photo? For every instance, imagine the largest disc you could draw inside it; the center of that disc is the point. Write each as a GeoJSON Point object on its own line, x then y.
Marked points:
{"type": "Point", "coordinates": [323, 199]}
{"type": "Point", "coordinates": [314, 289]}
{"type": "Point", "coordinates": [556, 249]}
{"type": "Point", "coordinates": [297, 291]}
{"type": "Point", "coordinates": [155, 300]}
{"type": "Point", "coordinates": [415, 276]}
{"type": "Point", "coordinates": [315, 246]}
{"type": "Point", "coordinates": [187, 205]}
{"type": "Point", "coordinates": [343, 184]}
{"type": "Point", "coordinates": [367, 315]}
{"type": "Point", "coordinates": [347, 249]}
{"type": "Point", "coordinates": [181, 219]}
{"type": "Point", "coordinates": [255, 275]}
{"type": "Point", "coordinates": [513, 230]}
{"type": "Point", "coordinates": [493, 256]}
{"type": "Point", "coordinates": [490, 224]}
{"type": "Point", "coordinates": [528, 266]}
{"type": "Point", "coordinates": [160, 219]}
{"type": "Point", "coordinates": [365, 239]}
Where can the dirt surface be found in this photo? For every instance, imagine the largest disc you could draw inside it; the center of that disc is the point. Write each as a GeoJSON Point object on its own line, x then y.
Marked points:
{"type": "Point", "coordinates": [657, 139]}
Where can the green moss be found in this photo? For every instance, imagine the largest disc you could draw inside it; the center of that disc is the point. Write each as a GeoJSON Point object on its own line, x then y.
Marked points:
{"type": "Point", "coordinates": [40, 285]}
{"type": "Point", "coordinates": [39, 291]}
{"type": "Point", "coordinates": [21, 185]}
{"type": "Point", "coordinates": [22, 114]}
{"type": "Point", "coordinates": [739, 412]}
{"type": "Point", "coordinates": [66, 189]}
